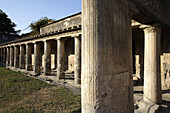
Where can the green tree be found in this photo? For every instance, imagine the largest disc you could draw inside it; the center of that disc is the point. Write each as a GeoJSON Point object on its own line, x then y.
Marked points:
{"type": "Point", "coordinates": [35, 26]}
{"type": "Point", "coordinates": [6, 25]}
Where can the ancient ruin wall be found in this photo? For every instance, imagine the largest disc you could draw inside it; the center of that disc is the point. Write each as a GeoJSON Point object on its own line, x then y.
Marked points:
{"type": "Point", "coordinates": [64, 23]}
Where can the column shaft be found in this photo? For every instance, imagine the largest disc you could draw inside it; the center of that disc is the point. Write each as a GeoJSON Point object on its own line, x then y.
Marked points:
{"type": "Point", "coordinates": [0, 54]}
{"type": "Point", "coordinates": [11, 56]}
{"type": "Point", "coordinates": [28, 57]}
{"type": "Point", "coordinates": [37, 48]}
{"type": "Point", "coordinates": [8, 57]}
{"type": "Point", "coordinates": [60, 59]}
{"type": "Point", "coordinates": [47, 58]}
{"type": "Point", "coordinates": [77, 60]}
{"type": "Point", "coordinates": [106, 84]}
{"type": "Point", "coordinates": [22, 57]}
{"type": "Point", "coordinates": [4, 55]}
{"type": "Point", "coordinates": [152, 78]}
{"type": "Point", "coordinates": [16, 56]}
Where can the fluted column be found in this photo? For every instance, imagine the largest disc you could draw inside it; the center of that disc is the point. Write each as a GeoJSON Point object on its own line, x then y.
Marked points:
{"type": "Point", "coordinates": [77, 60]}
{"type": "Point", "coordinates": [152, 78]}
{"type": "Point", "coordinates": [106, 80]}
{"type": "Point", "coordinates": [37, 47]}
{"type": "Point", "coordinates": [16, 56]}
{"type": "Point", "coordinates": [22, 57]}
{"type": "Point", "coordinates": [8, 56]}
{"type": "Point", "coordinates": [11, 56]}
{"type": "Point", "coordinates": [60, 59]}
{"type": "Point", "coordinates": [28, 57]}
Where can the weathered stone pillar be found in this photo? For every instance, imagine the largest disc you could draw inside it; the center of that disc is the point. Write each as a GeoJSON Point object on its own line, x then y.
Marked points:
{"type": "Point", "coordinates": [28, 57]}
{"type": "Point", "coordinates": [11, 56]}
{"type": "Point", "coordinates": [60, 58]}
{"type": "Point", "coordinates": [137, 66]}
{"type": "Point", "coordinates": [47, 58]}
{"type": "Point", "coordinates": [22, 57]}
{"type": "Point", "coordinates": [106, 57]}
{"type": "Point", "coordinates": [4, 55]}
{"type": "Point", "coordinates": [0, 54]}
{"type": "Point", "coordinates": [152, 78]}
{"type": "Point", "coordinates": [16, 56]}
{"type": "Point", "coordinates": [37, 47]}
{"type": "Point", "coordinates": [77, 60]}
{"type": "Point", "coordinates": [8, 57]}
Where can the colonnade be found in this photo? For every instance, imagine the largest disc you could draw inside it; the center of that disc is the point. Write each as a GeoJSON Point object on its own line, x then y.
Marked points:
{"type": "Point", "coordinates": [19, 56]}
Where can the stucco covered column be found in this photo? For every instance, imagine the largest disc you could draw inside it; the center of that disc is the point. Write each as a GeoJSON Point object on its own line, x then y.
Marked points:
{"type": "Point", "coordinates": [47, 57]}
{"type": "Point", "coordinates": [8, 56]}
{"type": "Point", "coordinates": [22, 57]}
{"type": "Point", "coordinates": [152, 78]}
{"type": "Point", "coordinates": [77, 60]}
{"type": "Point", "coordinates": [37, 47]}
{"type": "Point", "coordinates": [11, 56]}
{"type": "Point", "coordinates": [60, 58]}
{"type": "Point", "coordinates": [16, 56]}
{"type": "Point", "coordinates": [106, 57]}
{"type": "Point", "coordinates": [28, 57]}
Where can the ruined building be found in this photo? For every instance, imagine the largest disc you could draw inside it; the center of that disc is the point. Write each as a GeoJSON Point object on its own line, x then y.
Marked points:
{"type": "Point", "coordinates": [105, 46]}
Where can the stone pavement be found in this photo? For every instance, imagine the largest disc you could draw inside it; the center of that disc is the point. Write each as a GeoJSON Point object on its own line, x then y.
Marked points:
{"type": "Point", "coordinates": [144, 107]}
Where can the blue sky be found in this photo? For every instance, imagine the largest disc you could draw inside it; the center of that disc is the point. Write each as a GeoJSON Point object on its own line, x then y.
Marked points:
{"type": "Point", "coordinates": [23, 12]}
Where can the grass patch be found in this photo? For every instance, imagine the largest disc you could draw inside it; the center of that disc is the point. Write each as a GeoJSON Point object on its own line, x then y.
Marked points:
{"type": "Point", "coordinates": [19, 93]}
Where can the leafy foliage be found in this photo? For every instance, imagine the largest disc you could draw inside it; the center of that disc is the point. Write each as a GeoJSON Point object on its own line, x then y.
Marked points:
{"type": "Point", "coordinates": [6, 25]}
{"type": "Point", "coordinates": [35, 26]}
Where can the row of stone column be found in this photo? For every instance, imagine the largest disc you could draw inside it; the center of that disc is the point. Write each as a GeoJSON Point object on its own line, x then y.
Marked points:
{"type": "Point", "coordinates": [20, 56]}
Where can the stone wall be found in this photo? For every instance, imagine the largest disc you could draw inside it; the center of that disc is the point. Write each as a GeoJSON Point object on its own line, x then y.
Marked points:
{"type": "Point", "coordinates": [67, 22]}
{"type": "Point", "coordinates": [165, 58]}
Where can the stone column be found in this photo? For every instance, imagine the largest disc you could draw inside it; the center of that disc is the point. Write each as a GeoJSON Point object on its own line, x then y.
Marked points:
{"type": "Point", "coordinates": [137, 66]}
{"type": "Point", "coordinates": [11, 56]}
{"type": "Point", "coordinates": [47, 58]}
{"type": "Point", "coordinates": [8, 57]}
{"type": "Point", "coordinates": [28, 57]}
{"type": "Point", "coordinates": [152, 78]}
{"type": "Point", "coordinates": [4, 55]}
{"type": "Point", "coordinates": [77, 60]}
{"type": "Point", "coordinates": [106, 80]}
{"type": "Point", "coordinates": [22, 57]}
{"type": "Point", "coordinates": [16, 56]}
{"type": "Point", "coordinates": [60, 59]}
{"type": "Point", "coordinates": [0, 54]}
{"type": "Point", "coordinates": [37, 47]}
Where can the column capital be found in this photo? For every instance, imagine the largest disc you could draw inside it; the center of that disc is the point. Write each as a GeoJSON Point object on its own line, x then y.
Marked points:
{"type": "Point", "coordinates": [150, 29]}
{"type": "Point", "coordinates": [76, 35]}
